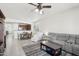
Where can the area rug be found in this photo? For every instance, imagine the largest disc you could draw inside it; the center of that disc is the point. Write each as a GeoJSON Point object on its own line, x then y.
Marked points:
{"type": "Point", "coordinates": [34, 50]}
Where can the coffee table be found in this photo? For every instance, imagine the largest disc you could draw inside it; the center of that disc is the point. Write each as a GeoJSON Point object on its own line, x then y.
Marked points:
{"type": "Point", "coordinates": [51, 48]}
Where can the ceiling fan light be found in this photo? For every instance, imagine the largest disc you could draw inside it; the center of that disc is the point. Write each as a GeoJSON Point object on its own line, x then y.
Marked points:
{"type": "Point", "coordinates": [41, 11]}
{"type": "Point", "coordinates": [36, 10]}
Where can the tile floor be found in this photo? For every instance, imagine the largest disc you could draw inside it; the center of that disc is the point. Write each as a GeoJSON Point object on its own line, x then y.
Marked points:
{"type": "Point", "coordinates": [13, 47]}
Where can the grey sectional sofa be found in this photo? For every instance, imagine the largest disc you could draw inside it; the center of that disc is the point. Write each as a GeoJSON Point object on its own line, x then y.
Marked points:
{"type": "Point", "coordinates": [69, 42]}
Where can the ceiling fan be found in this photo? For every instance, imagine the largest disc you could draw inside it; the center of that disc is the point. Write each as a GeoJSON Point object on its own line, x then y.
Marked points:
{"type": "Point", "coordinates": [39, 6]}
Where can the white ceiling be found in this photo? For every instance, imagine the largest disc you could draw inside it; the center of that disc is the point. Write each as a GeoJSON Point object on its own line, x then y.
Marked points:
{"type": "Point", "coordinates": [24, 11]}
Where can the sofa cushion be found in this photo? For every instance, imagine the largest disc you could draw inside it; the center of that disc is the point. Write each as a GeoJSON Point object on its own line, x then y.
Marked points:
{"type": "Point", "coordinates": [62, 37]}
{"type": "Point", "coordinates": [75, 49]}
{"type": "Point", "coordinates": [58, 42]}
{"type": "Point", "coordinates": [71, 39]}
{"type": "Point", "coordinates": [77, 36]}
{"type": "Point", "coordinates": [67, 47]}
{"type": "Point", "coordinates": [52, 36]}
{"type": "Point", "coordinates": [77, 41]}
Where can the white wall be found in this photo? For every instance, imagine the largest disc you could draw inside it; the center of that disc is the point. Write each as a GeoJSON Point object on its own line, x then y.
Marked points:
{"type": "Point", "coordinates": [63, 22]}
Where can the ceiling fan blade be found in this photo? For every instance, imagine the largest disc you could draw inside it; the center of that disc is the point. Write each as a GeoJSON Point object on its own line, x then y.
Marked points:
{"type": "Point", "coordinates": [32, 4]}
{"type": "Point", "coordinates": [39, 3]}
{"type": "Point", "coordinates": [49, 6]}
